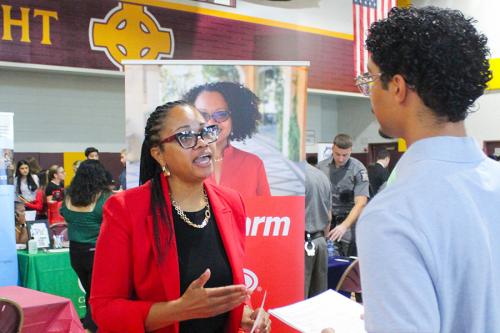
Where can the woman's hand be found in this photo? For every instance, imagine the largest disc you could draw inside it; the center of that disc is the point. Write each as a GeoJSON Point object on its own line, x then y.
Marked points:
{"type": "Point", "coordinates": [200, 302]}
{"type": "Point", "coordinates": [249, 317]}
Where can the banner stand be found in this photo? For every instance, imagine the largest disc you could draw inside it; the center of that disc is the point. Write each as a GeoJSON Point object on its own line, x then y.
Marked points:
{"type": "Point", "coordinates": [8, 254]}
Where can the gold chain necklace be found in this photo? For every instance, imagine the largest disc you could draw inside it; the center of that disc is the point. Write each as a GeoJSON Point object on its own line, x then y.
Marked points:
{"type": "Point", "coordinates": [183, 216]}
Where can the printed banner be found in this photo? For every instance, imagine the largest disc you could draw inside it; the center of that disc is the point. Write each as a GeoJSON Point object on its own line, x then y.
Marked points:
{"type": "Point", "coordinates": [275, 252]}
{"type": "Point", "coordinates": [260, 108]}
{"type": "Point", "coordinates": [100, 34]}
{"type": "Point", "coordinates": [8, 254]}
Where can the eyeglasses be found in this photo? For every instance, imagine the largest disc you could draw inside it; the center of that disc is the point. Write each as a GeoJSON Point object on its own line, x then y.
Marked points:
{"type": "Point", "coordinates": [217, 116]}
{"type": "Point", "coordinates": [365, 82]}
{"type": "Point", "coordinates": [189, 139]}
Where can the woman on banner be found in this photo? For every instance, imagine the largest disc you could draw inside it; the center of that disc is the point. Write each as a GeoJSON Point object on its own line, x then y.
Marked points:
{"type": "Point", "coordinates": [234, 108]}
{"type": "Point", "coordinates": [170, 254]}
{"type": "Point", "coordinates": [82, 210]}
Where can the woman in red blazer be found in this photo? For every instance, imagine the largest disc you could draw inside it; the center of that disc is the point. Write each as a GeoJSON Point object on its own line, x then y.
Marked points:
{"type": "Point", "coordinates": [169, 257]}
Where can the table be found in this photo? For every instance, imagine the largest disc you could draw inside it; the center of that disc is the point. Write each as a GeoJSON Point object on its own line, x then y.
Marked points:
{"type": "Point", "coordinates": [336, 267]}
{"type": "Point", "coordinates": [51, 272]}
{"type": "Point", "coordinates": [44, 312]}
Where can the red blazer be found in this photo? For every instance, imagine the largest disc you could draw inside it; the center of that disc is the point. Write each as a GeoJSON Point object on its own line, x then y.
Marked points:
{"type": "Point", "coordinates": [128, 277]}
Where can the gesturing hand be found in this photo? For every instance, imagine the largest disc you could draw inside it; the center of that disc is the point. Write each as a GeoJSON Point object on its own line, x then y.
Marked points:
{"type": "Point", "coordinates": [200, 302]}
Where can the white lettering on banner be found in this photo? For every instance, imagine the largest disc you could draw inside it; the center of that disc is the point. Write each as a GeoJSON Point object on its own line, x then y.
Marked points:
{"type": "Point", "coordinates": [252, 226]}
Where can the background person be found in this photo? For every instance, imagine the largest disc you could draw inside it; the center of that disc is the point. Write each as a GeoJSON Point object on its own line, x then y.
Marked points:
{"type": "Point", "coordinates": [26, 183]}
{"type": "Point", "coordinates": [35, 167]}
{"type": "Point", "coordinates": [55, 186]}
{"type": "Point", "coordinates": [181, 239]}
{"type": "Point", "coordinates": [82, 210]}
{"type": "Point", "coordinates": [75, 166]}
{"type": "Point", "coordinates": [234, 108]}
{"type": "Point", "coordinates": [429, 243]}
{"type": "Point", "coordinates": [377, 172]}
{"type": "Point", "coordinates": [123, 173]}
{"type": "Point", "coordinates": [350, 192]}
{"type": "Point", "coordinates": [318, 200]}
{"type": "Point", "coordinates": [91, 153]}
{"type": "Point", "coordinates": [20, 222]}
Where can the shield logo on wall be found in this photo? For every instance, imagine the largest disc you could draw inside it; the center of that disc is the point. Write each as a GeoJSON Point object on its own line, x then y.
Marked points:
{"type": "Point", "coordinates": [130, 32]}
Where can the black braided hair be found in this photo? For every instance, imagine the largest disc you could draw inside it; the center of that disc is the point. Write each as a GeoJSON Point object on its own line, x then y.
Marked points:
{"type": "Point", "coordinates": [150, 170]}
{"type": "Point", "coordinates": [29, 178]}
{"type": "Point", "coordinates": [241, 101]}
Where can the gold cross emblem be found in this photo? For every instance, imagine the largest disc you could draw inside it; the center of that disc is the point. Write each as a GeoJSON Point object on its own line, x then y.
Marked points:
{"type": "Point", "coordinates": [130, 32]}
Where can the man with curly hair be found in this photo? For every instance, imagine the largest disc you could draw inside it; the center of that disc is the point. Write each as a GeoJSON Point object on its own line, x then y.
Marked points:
{"type": "Point", "coordinates": [429, 244]}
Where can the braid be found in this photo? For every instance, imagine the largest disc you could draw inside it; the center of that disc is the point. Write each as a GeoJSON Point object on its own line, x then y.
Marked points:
{"type": "Point", "coordinates": [150, 170]}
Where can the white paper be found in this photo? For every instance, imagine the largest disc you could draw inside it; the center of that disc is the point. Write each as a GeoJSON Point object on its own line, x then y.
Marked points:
{"type": "Point", "coordinates": [329, 309]}
{"type": "Point", "coordinates": [30, 215]}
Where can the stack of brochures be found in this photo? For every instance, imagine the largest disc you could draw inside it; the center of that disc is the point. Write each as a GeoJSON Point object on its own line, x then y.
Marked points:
{"type": "Point", "coordinates": [327, 310]}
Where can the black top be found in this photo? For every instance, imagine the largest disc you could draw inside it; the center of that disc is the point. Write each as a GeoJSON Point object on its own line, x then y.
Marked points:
{"type": "Point", "coordinates": [199, 249]}
{"type": "Point", "coordinates": [56, 191]}
{"type": "Point", "coordinates": [377, 175]}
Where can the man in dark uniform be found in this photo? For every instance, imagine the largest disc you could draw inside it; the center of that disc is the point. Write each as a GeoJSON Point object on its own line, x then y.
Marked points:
{"type": "Point", "coordinates": [377, 172]}
{"type": "Point", "coordinates": [318, 214]}
{"type": "Point", "coordinates": [350, 192]}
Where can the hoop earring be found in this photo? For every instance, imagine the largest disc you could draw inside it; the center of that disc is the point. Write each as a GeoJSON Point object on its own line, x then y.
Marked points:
{"type": "Point", "coordinates": [165, 171]}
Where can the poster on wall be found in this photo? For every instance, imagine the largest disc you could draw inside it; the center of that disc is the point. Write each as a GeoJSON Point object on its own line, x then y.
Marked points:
{"type": "Point", "coordinates": [8, 255]}
{"type": "Point", "coordinates": [260, 108]}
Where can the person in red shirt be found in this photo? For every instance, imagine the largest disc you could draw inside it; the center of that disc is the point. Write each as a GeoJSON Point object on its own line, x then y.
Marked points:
{"type": "Point", "coordinates": [234, 108]}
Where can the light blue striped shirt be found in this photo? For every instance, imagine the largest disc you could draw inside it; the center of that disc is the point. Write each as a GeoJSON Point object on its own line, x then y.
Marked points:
{"type": "Point", "coordinates": [429, 244]}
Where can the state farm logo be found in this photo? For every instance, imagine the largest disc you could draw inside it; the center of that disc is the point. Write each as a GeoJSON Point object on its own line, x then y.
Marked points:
{"type": "Point", "coordinates": [262, 225]}
{"type": "Point", "coordinates": [251, 279]}
{"type": "Point", "coordinates": [130, 32]}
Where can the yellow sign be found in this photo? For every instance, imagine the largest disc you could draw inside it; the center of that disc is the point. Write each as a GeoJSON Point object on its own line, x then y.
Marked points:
{"type": "Point", "coordinates": [401, 145]}
{"type": "Point", "coordinates": [24, 23]}
{"type": "Point", "coordinates": [69, 160]}
{"type": "Point", "coordinates": [495, 68]}
{"type": "Point", "coordinates": [130, 32]}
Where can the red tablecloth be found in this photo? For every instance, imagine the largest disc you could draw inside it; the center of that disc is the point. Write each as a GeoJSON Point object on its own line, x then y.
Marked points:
{"type": "Point", "coordinates": [44, 312]}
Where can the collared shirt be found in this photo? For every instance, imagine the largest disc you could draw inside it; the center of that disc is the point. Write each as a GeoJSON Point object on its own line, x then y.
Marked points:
{"type": "Point", "coordinates": [348, 181]}
{"type": "Point", "coordinates": [429, 244]}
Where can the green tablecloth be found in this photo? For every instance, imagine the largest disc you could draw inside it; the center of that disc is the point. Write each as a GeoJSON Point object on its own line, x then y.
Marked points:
{"type": "Point", "coordinates": [51, 273]}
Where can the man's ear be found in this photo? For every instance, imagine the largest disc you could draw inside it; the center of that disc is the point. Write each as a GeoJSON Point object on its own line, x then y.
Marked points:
{"type": "Point", "coordinates": [400, 88]}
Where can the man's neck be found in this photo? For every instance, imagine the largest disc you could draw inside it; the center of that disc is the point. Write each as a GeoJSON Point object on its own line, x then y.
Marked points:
{"type": "Point", "coordinates": [424, 124]}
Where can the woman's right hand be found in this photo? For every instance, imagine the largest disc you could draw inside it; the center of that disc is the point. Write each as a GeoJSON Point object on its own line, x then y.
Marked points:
{"type": "Point", "coordinates": [200, 302]}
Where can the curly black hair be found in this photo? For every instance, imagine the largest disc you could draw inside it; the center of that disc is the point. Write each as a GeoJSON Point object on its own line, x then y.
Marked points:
{"type": "Point", "coordinates": [241, 101]}
{"type": "Point", "coordinates": [90, 180]}
{"type": "Point", "coordinates": [439, 53]}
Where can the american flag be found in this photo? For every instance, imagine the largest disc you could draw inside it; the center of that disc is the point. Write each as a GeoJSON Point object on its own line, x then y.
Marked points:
{"type": "Point", "coordinates": [365, 12]}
